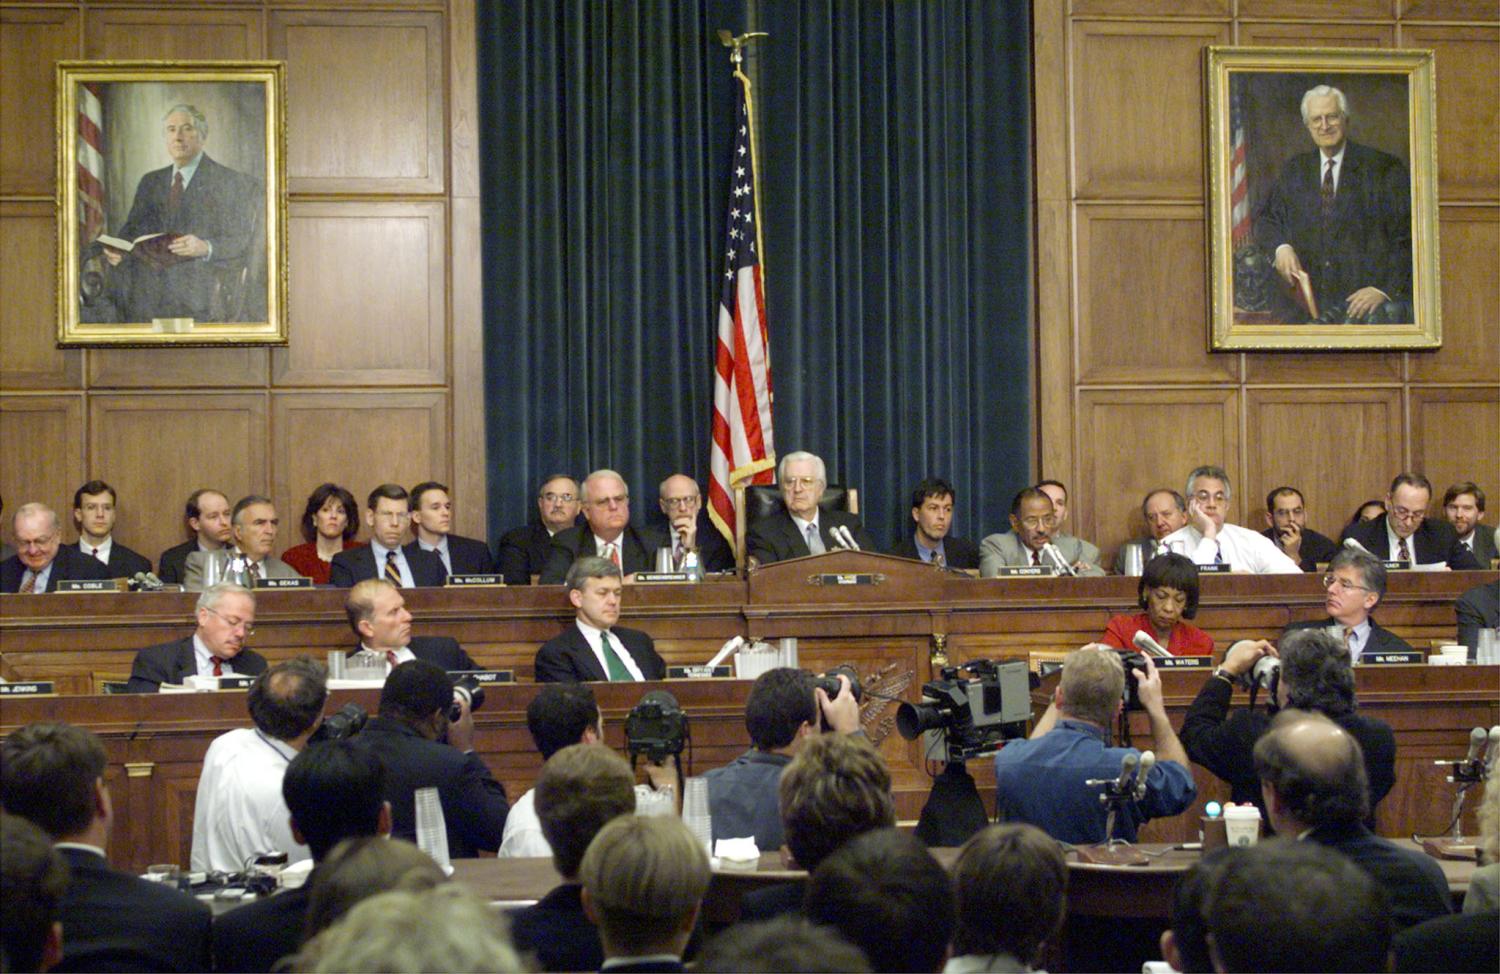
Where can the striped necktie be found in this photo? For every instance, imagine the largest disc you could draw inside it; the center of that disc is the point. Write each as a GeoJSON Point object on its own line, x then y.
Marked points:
{"type": "Point", "coordinates": [392, 570]}
{"type": "Point", "coordinates": [1403, 553]}
{"type": "Point", "coordinates": [28, 586]}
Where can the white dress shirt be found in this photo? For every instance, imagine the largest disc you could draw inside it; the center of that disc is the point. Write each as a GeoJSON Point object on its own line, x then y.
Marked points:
{"type": "Point", "coordinates": [523, 836]}
{"type": "Point", "coordinates": [1243, 550]}
{"type": "Point", "coordinates": [240, 811]}
{"type": "Point", "coordinates": [591, 636]}
{"type": "Point", "coordinates": [379, 550]}
{"type": "Point", "coordinates": [403, 655]}
{"type": "Point", "coordinates": [100, 551]}
{"type": "Point", "coordinates": [204, 657]}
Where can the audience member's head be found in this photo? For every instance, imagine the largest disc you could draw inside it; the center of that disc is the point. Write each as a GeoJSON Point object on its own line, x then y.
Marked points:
{"type": "Point", "coordinates": [781, 709]}
{"type": "Point", "coordinates": [1316, 673]}
{"type": "Point", "coordinates": [787, 943]}
{"type": "Point", "coordinates": [580, 790]}
{"type": "Point", "coordinates": [1092, 687]}
{"type": "Point", "coordinates": [836, 787]}
{"type": "Point", "coordinates": [643, 882]}
{"type": "Point", "coordinates": [418, 693]}
{"type": "Point", "coordinates": [886, 893]}
{"type": "Point", "coordinates": [444, 928]}
{"type": "Point", "coordinates": [562, 714]}
{"type": "Point", "coordinates": [361, 867]}
{"type": "Point", "coordinates": [35, 878]}
{"type": "Point", "coordinates": [1184, 945]}
{"type": "Point", "coordinates": [1282, 905]}
{"type": "Point", "coordinates": [286, 701]}
{"type": "Point", "coordinates": [1368, 511]}
{"type": "Point", "coordinates": [1312, 773]}
{"type": "Point", "coordinates": [335, 791]}
{"type": "Point", "coordinates": [1010, 890]}
{"type": "Point", "coordinates": [53, 774]}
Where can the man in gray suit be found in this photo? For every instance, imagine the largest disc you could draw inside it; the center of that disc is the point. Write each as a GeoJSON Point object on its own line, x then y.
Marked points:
{"type": "Point", "coordinates": [1463, 507]}
{"type": "Point", "coordinates": [1033, 519]}
{"type": "Point", "coordinates": [247, 557]}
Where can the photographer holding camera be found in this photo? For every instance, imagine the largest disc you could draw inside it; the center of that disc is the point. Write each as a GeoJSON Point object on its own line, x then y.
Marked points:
{"type": "Point", "coordinates": [1314, 674]}
{"type": "Point", "coordinates": [421, 746]}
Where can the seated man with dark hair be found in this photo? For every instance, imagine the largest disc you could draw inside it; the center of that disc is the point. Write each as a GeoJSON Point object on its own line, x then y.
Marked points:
{"type": "Point", "coordinates": [377, 613]}
{"type": "Point", "coordinates": [334, 791]}
{"type": "Point", "coordinates": [1315, 675]}
{"type": "Point", "coordinates": [581, 789]}
{"type": "Point", "coordinates": [387, 513]}
{"type": "Point", "coordinates": [1286, 526]}
{"type": "Point", "coordinates": [1184, 945]}
{"type": "Point", "coordinates": [886, 893]}
{"type": "Point", "coordinates": [593, 647]}
{"type": "Point", "coordinates": [206, 516]}
{"type": "Point", "coordinates": [432, 527]}
{"type": "Point", "coordinates": [786, 943]}
{"type": "Point", "coordinates": [1010, 886]}
{"type": "Point", "coordinates": [782, 712]}
{"type": "Point", "coordinates": [1313, 778]}
{"type": "Point", "coordinates": [643, 885]}
{"type": "Point", "coordinates": [422, 748]}
{"type": "Point", "coordinates": [53, 774]}
{"type": "Point", "coordinates": [932, 510]}
{"type": "Point", "coordinates": [94, 516]}
{"type": "Point", "coordinates": [1355, 584]}
{"type": "Point", "coordinates": [560, 715]}
{"type": "Point", "coordinates": [1281, 905]}
{"type": "Point", "coordinates": [239, 812]}
{"type": "Point", "coordinates": [35, 879]}
{"type": "Point", "coordinates": [524, 550]}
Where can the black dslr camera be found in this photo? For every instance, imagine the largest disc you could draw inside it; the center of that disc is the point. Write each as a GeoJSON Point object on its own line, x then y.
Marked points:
{"type": "Point", "coordinates": [473, 694]}
{"type": "Point", "coordinates": [829, 682]}
{"type": "Point", "coordinates": [349, 720]}
{"type": "Point", "coordinates": [1134, 663]}
{"type": "Point", "coordinates": [656, 727]}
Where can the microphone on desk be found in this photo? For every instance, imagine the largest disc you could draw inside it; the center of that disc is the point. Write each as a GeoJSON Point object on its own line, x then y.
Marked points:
{"type": "Point", "coordinates": [1128, 764]}
{"type": "Point", "coordinates": [1351, 543]}
{"type": "Point", "coordinates": [146, 582]}
{"type": "Point", "coordinates": [1146, 644]}
{"type": "Point", "coordinates": [843, 536]}
{"type": "Point", "coordinates": [1148, 761]}
{"type": "Point", "coordinates": [1477, 740]}
{"type": "Point", "coordinates": [1063, 567]}
{"type": "Point", "coordinates": [1492, 757]}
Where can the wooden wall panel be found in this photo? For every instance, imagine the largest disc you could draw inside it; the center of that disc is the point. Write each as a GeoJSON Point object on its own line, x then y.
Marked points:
{"type": "Point", "coordinates": [369, 294]}
{"type": "Point", "coordinates": [28, 301]}
{"type": "Point", "coordinates": [155, 449]}
{"type": "Point", "coordinates": [30, 42]}
{"type": "Point", "coordinates": [178, 368]}
{"type": "Point", "coordinates": [1320, 10]}
{"type": "Point", "coordinates": [359, 81]}
{"type": "Point", "coordinates": [1453, 439]}
{"type": "Point", "coordinates": [1151, 8]}
{"type": "Point", "coordinates": [1141, 297]}
{"type": "Point", "coordinates": [1133, 441]}
{"type": "Point", "coordinates": [398, 437]}
{"type": "Point", "coordinates": [1280, 34]}
{"type": "Point", "coordinates": [173, 34]}
{"type": "Point", "coordinates": [1450, 9]}
{"type": "Point", "coordinates": [32, 472]}
{"type": "Point", "coordinates": [1468, 108]}
{"type": "Point", "coordinates": [1141, 87]}
{"type": "Point", "coordinates": [1338, 446]}
{"type": "Point", "coordinates": [1470, 237]}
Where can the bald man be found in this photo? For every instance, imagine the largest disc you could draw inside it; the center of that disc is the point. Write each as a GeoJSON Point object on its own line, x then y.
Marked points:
{"type": "Point", "coordinates": [688, 527]}
{"type": "Point", "coordinates": [41, 560]}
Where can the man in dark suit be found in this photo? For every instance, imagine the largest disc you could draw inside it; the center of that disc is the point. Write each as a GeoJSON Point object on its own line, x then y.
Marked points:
{"type": "Point", "coordinates": [210, 209]}
{"type": "Point", "coordinates": [41, 561]}
{"type": "Point", "coordinates": [377, 613]}
{"type": "Point", "coordinates": [594, 648]}
{"type": "Point", "coordinates": [1407, 534]}
{"type": "Point", "coordinates": [335, 791]}
{"type": "Point", "coordinates": [524, 550]}
{"type": "Point", "coordinates": [207, 515]}
{"type": "Point", "coordinates": [431, 526]}
{"type": "Point", "coordinates": [421, 747]}
{"type": "Point", "coordinates": [605, 531]}
{"type": "Point", "coordinates": [932, 510]}
{"type": "Point", "coordinates": [226, 617]}
{"type": "Point", "coordinates": [1355, 584]}
{"type": "Point", "coordinates": [1286, 526]}
{"type": "Point", "coordinates": [387, 512]}
{"type": "Point", "coordinates": [1341, 214]}
{"type": "Point", "coordinates": [688, 528]}
{"type": "Point", "coordinates": [643, 883]}
{"type": "Point", "coordinates": [581, 788]}
{"type": "Point", "coordinates": [1476, 609]}
{"type": "Point", "coordinates": [53, 774]}
{"type": "Point", "coordinates": [94, 516]}
{"type": "Point", "coordinates": [1463, 506]}
{"type": "Point", "coordinates": [803, 528]}
{"type": "Point", "coordinates": [1316, 674]}
{"type": "Point", "coordinates": [1315, 788]}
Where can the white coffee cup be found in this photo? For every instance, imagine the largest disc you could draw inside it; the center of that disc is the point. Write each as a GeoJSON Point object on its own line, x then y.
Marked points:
{"type": "Point", "coordinates": [1241, 825]}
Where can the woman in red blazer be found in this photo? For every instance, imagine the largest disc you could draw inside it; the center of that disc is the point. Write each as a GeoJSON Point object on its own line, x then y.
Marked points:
{"type": "Point", "coordinates": [1169, 593]}
{"type": "Point", "coordinates": [329, 524]}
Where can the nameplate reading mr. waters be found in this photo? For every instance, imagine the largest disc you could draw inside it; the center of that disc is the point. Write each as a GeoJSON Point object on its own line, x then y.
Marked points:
{"type": "Point", "coordinates": [1183, 662]}
{"type": "Point", "coordinates": [476, 580]}
{"type": "Point", "coordinates": [298, 582]}
{"type": "Point", "coordinates": [1394, 657]}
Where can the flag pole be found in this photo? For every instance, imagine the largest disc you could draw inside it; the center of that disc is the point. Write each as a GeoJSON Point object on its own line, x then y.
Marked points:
{"type": "Point", "coordinates": [736, 47]}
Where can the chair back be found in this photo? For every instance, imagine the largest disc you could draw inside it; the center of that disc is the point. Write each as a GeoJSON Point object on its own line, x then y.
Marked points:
{"type": "Point", "coordinates": [757, 501]}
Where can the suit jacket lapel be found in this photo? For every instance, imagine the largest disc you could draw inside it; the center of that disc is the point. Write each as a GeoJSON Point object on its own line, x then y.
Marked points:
{"type": "Point", "coordinates": [183, 661]}
{"type": "Point", "coordinates": [586, 656]}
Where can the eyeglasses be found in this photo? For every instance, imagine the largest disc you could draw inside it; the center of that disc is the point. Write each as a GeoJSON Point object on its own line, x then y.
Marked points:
{"type": "Point", "coordinates": [1404, 514]}
{"type": "Point", "coordinates": [681, 503]}
{"type": "Point", "coordinates": [1032, 523]}
{"type": "Point", "coordinates": [400, 517]}
{"type": "Point", "coordinates": [1203, 497]}
{"type": "Point", "coordinates": [1343, 584]}
{"type": "Point", "coordinates": [795, 482]}
{"type": "Point", "coordinates": [558, 498]}
{"type": "Point", "coordinates": [249, 627]}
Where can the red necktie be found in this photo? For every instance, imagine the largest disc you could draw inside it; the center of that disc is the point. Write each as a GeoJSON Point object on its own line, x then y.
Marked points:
{"type": "Point", "coordinates": [614, 553]}
{"type": "Point", "coordinates": [174, 195]}
{"type": "Point", "coordinates": [218, 666]}
{"type": "Point", "coordinates": [1036, 559]}
{"type": "Point", "coordinates": [1403, 553]}
{"type": "Point", "coordinates": [390, 657]}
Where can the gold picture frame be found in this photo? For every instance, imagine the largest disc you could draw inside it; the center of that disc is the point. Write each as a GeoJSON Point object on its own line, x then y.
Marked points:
{"type": "Point", "coordinates": [171, 203]}
{"type": "Point", "coordinates": [1303, 256]}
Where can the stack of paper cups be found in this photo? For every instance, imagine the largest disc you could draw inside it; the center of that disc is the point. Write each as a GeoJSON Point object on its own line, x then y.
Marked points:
{"type": "Point", "coordinates": [695, 812]}
{"type": "Point", "coordinates": [432, 828]}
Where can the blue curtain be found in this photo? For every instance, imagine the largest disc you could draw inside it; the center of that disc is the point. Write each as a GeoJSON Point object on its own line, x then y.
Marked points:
{"type": "Point", "coordinates": [896, 198]}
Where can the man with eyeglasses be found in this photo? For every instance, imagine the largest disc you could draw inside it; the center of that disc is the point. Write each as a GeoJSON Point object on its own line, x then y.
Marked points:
{"type": "Point", "coordinates": [1355, 584]}
{"type": "Point", "coordinates": [1286, 526]}
{"type": "Point", "coordinates": [226, 618]}
{"type": "Point", "coordinates": [1407, 534]}
{"type": "Point", "coordinates": [524, 550]}
{"type": "Point", "coordinates": [252, 531]}
{"type": "Point", "coordinates": [1033, 523]}
{"type": "Point", "coordinates": [605, 533]}
{"type": "Point", "coordinates": [40, 561]}
{"type": "Point", "coordinates": [387, 513]}
{"type": "Point", "coordinates": [803, 528]}
{"type": "Point", "coordinates": [1208, 540]}
{"type": "Point", "coordinates": [687, 529]}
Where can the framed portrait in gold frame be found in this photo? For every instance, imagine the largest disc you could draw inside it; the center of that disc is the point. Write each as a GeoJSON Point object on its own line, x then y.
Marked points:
{"type": "Point", "coordinates": [171, 203]}
{"type": "Point", "coordinates": [1322, 187]}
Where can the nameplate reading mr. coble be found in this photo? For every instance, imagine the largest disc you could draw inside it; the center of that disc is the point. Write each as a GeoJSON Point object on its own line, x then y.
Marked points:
{"type": "Point", "coordinates": [28, 688]}
{"type": "Point", "coordinates": [476, 580]}
{"type": "Point", "coordinates": [300, 581]}
{"type": "Point", "coordinates": [486, 677]}
{"type": "Point", "coordinates": [1395, 657]}
{"type": "Point", "coordinates": [1025, 571]}
{"type": "Point", "coordinates": [846, 578]}
{"type": "Point", "coordinates": [92, 585]}
{"type": "Point", "coordinates": [1183, 662]}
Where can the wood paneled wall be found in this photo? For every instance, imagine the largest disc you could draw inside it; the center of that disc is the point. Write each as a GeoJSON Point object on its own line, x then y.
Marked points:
{"type": "Point", "coordinates": [1130, 398]}
{"type": "Point", "coordinates": [382, 378]}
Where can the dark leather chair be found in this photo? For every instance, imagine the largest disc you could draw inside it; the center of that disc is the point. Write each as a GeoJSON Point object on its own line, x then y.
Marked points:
{"type": "Point", "coordinates": [763, 500]}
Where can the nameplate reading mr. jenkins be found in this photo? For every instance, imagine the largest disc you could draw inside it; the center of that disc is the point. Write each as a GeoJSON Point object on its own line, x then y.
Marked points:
{"type": "Point", "coordinates": [28, 688]}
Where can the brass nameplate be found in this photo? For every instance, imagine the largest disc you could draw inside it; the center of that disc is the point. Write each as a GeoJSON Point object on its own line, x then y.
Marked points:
{"type": "Point", "coordinates": [93, 585]}
{"type": "Point", "coordinates": [847, 578]}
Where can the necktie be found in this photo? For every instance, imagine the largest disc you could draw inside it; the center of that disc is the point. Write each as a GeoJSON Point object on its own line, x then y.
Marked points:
{"type": "Point", "coordinates": [28, 585]}
{"type": "Point", "coordinates": [1403, 553]}
{"type": "Point", "coordinates": [677, 554]}
{"type": "Point", "coordinates": [392, 570]}
{"type": "Point", "coordinates": [1349, 640]}
{"type": "Point", "coordinates": [390, 657]}
{"type": "Point", "coordinates": [218, 666]}
{"type": "Point", "coordinates": [814, 540]}
{"type": "Point", "coordinates": [937, 558]}
{"type": "Point", "coordinates": [1328, 192]}
{"type": "Point", "coordinates": [612, 552]}
{"type": "Point", "coordinates": [614, 666]}
{"type": "Point", "coordinates": [1218, 553]}
{"type": "Point", "coordinates": [1036, 558]}
{"type": "Point", "coordinates": [95, 553]}
{"type": "Point", "coordinates": [174, 195]}
{"type": "Point", "coordinates": [253, 572]}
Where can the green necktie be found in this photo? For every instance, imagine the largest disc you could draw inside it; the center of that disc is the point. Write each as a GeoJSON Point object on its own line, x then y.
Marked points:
{"type": "Point", "coordinates": [612, 662]}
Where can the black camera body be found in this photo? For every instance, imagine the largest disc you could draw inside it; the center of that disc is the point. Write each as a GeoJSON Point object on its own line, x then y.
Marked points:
{"type": "Point", "coordinates": [349, 720]}
{"type": "Point", "coordinates": [656, 727]}
{"type": "Point", "coordinates": [968, 718]}
{"type": "Point", "coordinates": [473, 694]}
{"type": "Point", "coordinates": [829, 683]}
{"type": "Point", "coordinates": [1134, 663]}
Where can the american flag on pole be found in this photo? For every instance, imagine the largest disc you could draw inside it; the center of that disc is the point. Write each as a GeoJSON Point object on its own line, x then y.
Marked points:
{"type": "Point", "coordinates": [1239, 193]}
{"type": "Point", "coordinates": [90, 163]}
{"type": "Point", "coordinates": [743, 450]}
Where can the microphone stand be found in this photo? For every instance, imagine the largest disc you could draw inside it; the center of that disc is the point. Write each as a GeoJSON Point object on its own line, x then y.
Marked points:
{"type": "Point", "coordinates": [1112, 851]}
{"type": "Point", "coordinates": [1466, 774]}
